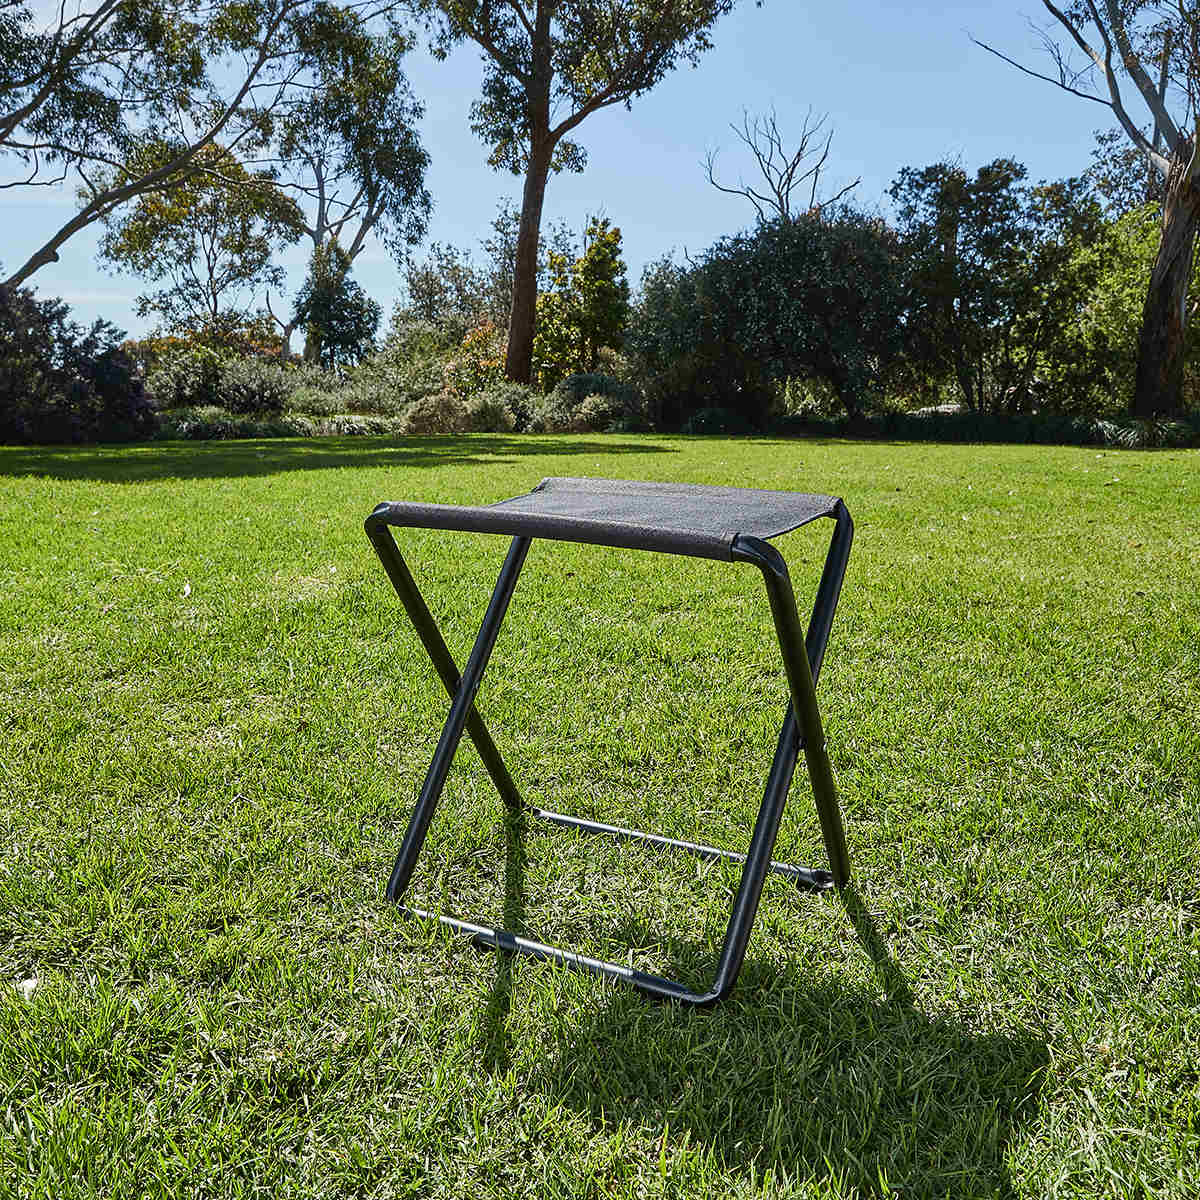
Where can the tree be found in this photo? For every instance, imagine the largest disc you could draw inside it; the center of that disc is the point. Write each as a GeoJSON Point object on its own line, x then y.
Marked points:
{"type": "Point", "coordinates": [1123, 178]}
{"type": "Point", "coordinates": [783, 171]}
{"type": "Point", "coordinates": [1155, 46]}
{"type": "Point", "coordinates": [549, 65]}
{"type": "Point", "coordinates": [340, 318]}
{"type": "Point", "coordinates": [349, 147]}
{"type": "Point", "coordinates": [210, 239]}
{"type": "Point", "coordinates": [450, 290]}
{"type": "Point", "coordinates": [125, 94]}
{"type": "Point", "coordinates": [586, 307]}
{"type": "Point", "coordinates": [993, 273]}
{"type": "Point", "coordinates": [815, 297]}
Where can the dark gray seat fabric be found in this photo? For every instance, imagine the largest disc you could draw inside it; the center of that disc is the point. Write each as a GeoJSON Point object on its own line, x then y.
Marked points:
{"type": "Point", "coordinates": [678, 518]}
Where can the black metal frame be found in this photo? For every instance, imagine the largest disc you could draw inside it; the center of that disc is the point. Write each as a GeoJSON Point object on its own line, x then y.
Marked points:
{"type": "Point", "coordinates": [802, 730]}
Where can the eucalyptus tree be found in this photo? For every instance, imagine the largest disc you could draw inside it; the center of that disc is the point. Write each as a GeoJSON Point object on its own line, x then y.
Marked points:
{"type": "Point", "coordinates": [210, 242]}
{"type": "Point", "coordinates": [1154, 45]}
{"type": "Point", "coordinates": [92, 92]}
{"type": "Point", "coordinates": [348, 147]}
{"type": "Point", "coordinates": [550, 64]}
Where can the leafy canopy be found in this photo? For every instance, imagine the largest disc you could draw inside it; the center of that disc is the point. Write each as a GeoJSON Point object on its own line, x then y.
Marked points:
{"type": "Point", "coordinates": [340, 318]}
{"type": "Point", "coordinates": [210, 241]}
{"type": "Point", "coordinates": [552, 62]}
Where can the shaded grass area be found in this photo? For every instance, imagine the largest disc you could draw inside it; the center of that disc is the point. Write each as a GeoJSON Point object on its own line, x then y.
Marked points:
{"type": "Point", "coordinates": [214, 721]}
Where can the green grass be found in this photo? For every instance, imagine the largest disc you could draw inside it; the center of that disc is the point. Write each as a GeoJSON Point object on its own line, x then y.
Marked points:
{"type": "Point", "coordinates": [214, 720]}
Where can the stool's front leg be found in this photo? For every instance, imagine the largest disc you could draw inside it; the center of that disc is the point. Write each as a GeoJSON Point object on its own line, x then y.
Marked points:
{"type": "Point", "coordinates": [800, 669]}
{"type": "Point", "coordinates": [460, 711]}
{"type": "Point", "coordinates": [439, 654]}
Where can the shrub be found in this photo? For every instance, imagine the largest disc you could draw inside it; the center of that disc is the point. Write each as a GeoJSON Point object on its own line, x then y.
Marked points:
{"type": "Point", "coordinates": [315, 402]}
{"type": "Point", "coordinates": [59, 383]}
{"type": "Point", "coordinates": [196, 376]}
{"type": "Point", "coordinates": [210, 422]}
{"type": "Point", "coordinates": [486, 412]}
{"type": "Point", "coordinates": [588, 403]}
{"type": "Point", "coordinates": [246, 385]}
{"type": "Point", "coordinates": [478, 363]}
{"type": "Point", "coordinates": [387, 385]}
{"type": "Point", "coordinates": [515, 398]}
{"type": "Point", "coordinates": [716, 420]}
{"type": "Point", "coordinates": [440, 413]}
{"type": "Point", "coordinates": [186, 375]}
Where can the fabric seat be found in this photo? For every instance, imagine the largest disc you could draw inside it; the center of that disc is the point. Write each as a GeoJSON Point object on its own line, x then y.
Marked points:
{"type": "Point", "coordinates": [676, 518]}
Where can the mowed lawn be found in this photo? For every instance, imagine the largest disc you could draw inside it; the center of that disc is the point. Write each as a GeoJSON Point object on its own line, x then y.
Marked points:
{"type": "Point", "coordinates": [214, 720]}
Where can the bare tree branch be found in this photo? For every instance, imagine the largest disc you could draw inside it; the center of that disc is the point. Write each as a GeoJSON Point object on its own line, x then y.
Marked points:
{"type": "Point", "coordinates": [783, 171]}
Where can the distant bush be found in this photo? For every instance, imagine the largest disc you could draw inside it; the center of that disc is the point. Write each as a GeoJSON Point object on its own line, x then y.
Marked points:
{"type": "Point", "coordinates": [1040, 428]}
{"type": "Point", "coordinates": [441, 413]}
{"type": "Point", "coordinates": [715, 421]}
{"type": "Point", "coordinates": [387, 384]}
{"type": "Point", "coordinates": [211, 423]}
{"type": "Point", "coordinates": [478, 363]}
{"type": "Point", "coordinates": [587, 403]}
{"type": "Point", "coordinates": [486, 412]}
{"type": "Point", "coordinates": [247, 385]}
{"type": "Point", "coordinates": [60, 383]}
{"type": "Point", "coordinates": [514, 398]}
{"type": "Point", "coordinates": [196, 376]}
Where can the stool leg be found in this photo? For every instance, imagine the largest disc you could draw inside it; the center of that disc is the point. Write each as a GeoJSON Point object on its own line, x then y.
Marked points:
{"type": "Point", "coordinates": [439, 654]}
{"type": "Point", "coordinates": [799, 671]}
{"type": "Point", "coordinates": [460, 711]}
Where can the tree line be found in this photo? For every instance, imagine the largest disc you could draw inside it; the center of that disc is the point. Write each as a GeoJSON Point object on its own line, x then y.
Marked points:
{"type": "Point", "coordinates": [203, 137]}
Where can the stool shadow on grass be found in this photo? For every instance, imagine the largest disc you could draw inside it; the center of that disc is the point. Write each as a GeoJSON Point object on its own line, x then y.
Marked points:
{"type": "Point", "coordinates": [795, 1071]}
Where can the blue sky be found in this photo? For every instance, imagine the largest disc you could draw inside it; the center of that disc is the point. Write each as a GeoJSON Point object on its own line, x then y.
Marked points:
{"type": "Point", "coordinates": [903, 85]}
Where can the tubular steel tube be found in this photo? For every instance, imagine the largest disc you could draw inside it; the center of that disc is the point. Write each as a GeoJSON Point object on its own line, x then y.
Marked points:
{"type": "Point", "coordinates": [804, 696]}
{"type": "Point", "coordinates": [803, 876]}
{"type": "Point", "coordinates": [439, 654]}
{"type": "Point", "coordinates": [464, 698]}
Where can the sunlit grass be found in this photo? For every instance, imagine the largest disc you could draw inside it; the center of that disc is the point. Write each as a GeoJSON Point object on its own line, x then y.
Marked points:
{"type": "Point", "coordinates": [215, 719]}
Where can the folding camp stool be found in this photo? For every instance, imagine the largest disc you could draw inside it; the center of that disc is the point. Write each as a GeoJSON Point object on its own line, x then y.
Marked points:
{"type": "Point", "coordinates": [729, 524]}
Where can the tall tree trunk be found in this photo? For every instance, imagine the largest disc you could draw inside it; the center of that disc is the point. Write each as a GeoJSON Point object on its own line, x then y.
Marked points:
{"type": "Point", "coordinates": [1162, 343]}
{"type": "Point", "coordinates": [518, 362]}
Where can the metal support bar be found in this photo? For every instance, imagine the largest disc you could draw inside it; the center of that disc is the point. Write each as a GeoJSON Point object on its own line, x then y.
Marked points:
{"type": "Point", "coordinates": [802, 655]}
{"type": "Point", "coordinates": [464, 699]}
{"type": "Point", "coordinates": [805, 877]}
{"type": "Point", "coordinates": [431, 638]}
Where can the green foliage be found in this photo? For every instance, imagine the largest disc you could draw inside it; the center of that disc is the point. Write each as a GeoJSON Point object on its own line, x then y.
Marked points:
{"type": "Point", "coordinates": [716, 421]}
{"type": "Point", "coordinates": [452, 293]}
{"type": "Point", "coordinates": [199, 376]}
{"type": "Point", "coordinates": [585, 309]}
{"type": "Point", "coordinates": [443, 412]}
{"type": "Point", "coordinates": [61, 383]}
{"type": "Point", "coordinates": [248, 385]}
{"type": "Point", "coordinates": [356, 135]}
{"type": "Point", "coordinates": [339, 317]}
{"type": "Point", "coordinates": [132, 94]}
{"type": "Point", "coordinates": [820, 296]}
{"type": "Point", "coordinates": [478, 363]}
{"type": "Point", "coordinates": [585, 56]}
{"type": "Point", "coordinates": [514, 400]}
{"type": "Point", "coordinates": [210, 239]}
{"type": "Point", "coordinates": [997, 281]}
{"type": "Point", "coordinates": [1105, 335]}
{"type": "Point", "coordinates": [587, 403]}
